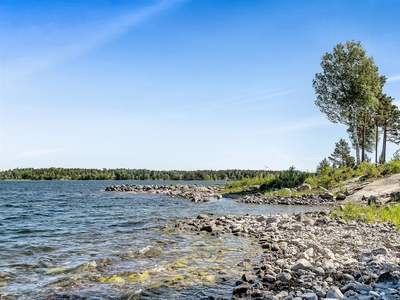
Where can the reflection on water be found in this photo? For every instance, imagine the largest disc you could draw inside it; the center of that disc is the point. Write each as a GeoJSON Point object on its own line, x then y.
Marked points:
{"type": "Point", "coordinates": [72, 239]}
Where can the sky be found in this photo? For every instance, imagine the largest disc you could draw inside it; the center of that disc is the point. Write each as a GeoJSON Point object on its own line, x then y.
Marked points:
{"type": "Point", "coordinates": [178, 84]}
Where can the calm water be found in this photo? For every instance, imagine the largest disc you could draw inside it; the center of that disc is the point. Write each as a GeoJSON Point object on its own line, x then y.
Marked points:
{"type": "Point", "coordinates": [70, 239]}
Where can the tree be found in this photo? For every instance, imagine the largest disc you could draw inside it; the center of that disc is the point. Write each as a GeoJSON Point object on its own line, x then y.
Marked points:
{"type": "Point", "coordinates": [323, 165]}
{"type": "Point", "coordinates": [347, 88]}
{"type": "Point", "coordinates": [341, 156]}
{"type": "Point", "coordinates": [388, 118]}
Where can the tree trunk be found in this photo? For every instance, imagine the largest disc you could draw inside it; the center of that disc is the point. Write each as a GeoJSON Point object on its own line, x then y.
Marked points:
{"type": "Point", "coordinates": [383, 155]}
{"type": "Point", "coordinates": [363, 138]}
{"type": "Point", "coordinates": [376, 142]}
{"type": "Point", "coordinates": [356, 139]}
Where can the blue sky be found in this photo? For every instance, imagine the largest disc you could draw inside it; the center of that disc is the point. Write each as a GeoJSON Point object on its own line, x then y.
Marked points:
{"type": "Point", "coordinates": [195, 84]}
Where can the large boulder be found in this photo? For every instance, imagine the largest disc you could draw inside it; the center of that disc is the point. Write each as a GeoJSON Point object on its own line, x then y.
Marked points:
{"type": "Point", "coordinates": [395, 196]}
{"type": "Point", "coordinates": [304, 187]}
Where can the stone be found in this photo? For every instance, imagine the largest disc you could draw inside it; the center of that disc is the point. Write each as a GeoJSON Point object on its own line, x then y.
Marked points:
{"type": "Point", "coordinates": [341, 197]}
{"type": "Point", "coordinates": [387, 280]}
{"type": "Point", "coordinates": [395, 196]}
{"type": "Point", "coordinates": [327, 196]}
{"type": "Point", "coordinates": [150, 251]}
{"type": "Point", "coordinates": [304, 187]}
{"type": "Point", "coordinates": [379, 251]}
{"type": "Point", "coordinates": [372, 199]}
{"type": "Point", "coordinates": [301, 264]}
{"type": "Point", "coordinates": [248, 278]}
{"type": "Point", "coordinates": [275, 247]}
{"type": "Point", "coordinates": [241, 289]}
{"type": "Point", "coordinates": [334, 292]}
{"type": "Point", "coordinates": [319, 271]}
{"type": "Point", "coordinates": [283, 276]}
{"type": "Point", "coordinates": [269, 278]}
{"type": "Point", "coordinates": [366, 257]}
{"type": "Point", "coordinates": [309, 296]}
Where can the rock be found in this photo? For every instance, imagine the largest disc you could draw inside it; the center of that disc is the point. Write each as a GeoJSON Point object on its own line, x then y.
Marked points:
{"type": "Point", "coordinates": [334, 292]}
{"type": "Point", "coordinates": [387, 280]}
{"type": "Point", "coordinates": [378, 251]}
{"type": "Point", "coordinates": [341, 197]}
{"type": "Point", "coordinates": [301, 264]}
{"type": "Point", "coordinates": [269, 278]}
{"type": "Point", "coordinates": [319, 271]}
{"type": "Point", "coordinates": [241, 289]}
{"type": "Point", "coordinates": [275, 247]}
{"type": "Point", "coordinates": [366, 257]}
{"type": "Point", "coordinates": [395, 196]}
{"type": "Point", "coordinates": [304, 187]}
{"type": "Point", "coordinates": [248, 278]}
{"type": "Point", "coordinates": [283, 276]}
{"type": "Point", "coordinates": [309, 296]}
{"type": "Point", "coordinates": [372, 200]}
{"type": "Point", "coordinates": [327, 195]}
{"type": "Point", "coordinates": [150, 251]}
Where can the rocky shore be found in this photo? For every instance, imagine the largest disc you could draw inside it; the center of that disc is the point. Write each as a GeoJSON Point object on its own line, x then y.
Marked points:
{"type": "Point", "coordinates": [311, 256]}
{"type": "Point", "coordinates": [305, 199]}
{"type": "Point", "coordinates": [201, 193]}
{"type": "Point", "coordinates": [195, 193]}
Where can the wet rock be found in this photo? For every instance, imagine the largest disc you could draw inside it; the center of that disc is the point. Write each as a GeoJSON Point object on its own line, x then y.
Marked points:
{"type": "Point", "coordinates": [241, 289]}
{"type": "Point", "coordinates": [150, 251]}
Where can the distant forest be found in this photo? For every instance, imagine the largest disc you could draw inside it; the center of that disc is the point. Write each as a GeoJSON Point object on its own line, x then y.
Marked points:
{"type": "Point", "coordinates": [126, 174]}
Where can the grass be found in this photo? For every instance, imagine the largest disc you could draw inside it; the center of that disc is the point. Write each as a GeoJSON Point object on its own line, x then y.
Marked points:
{"type": "Point", "coordinates": [369, 213]}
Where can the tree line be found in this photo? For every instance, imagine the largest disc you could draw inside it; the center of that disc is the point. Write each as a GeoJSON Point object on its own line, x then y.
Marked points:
{"type": "Point", "coordinates": [125, 174]}
{"type": "Point", "coordinates": [350, 91]}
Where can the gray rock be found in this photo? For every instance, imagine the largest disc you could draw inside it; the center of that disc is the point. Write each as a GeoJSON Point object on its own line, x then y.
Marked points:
{"type": "Point", "coordinates": [334, 292]}
{"type": "Point", "coordinates": [387, 280]}
{"type": "Point", "coordinates": [241, 289]}
{"type": "Point", "coordinates": [327, 195]}
{"type": "Point", "coordinates": [283, 276]}
{"type": "Point", "coordinates": [309, 296]}
{"type": "Point", "coordinates": [395, 196]}
{"type": "Point", "coordinates": [304, 187]}
{"type": "Point", "coordinates": [366, 257]}
{"type": "Point", "coordinates": [302, 264]}
{"type": "Point", "coordinates": [379, 251]}
{"type": "Point", "coordinates": [341, 197]}
{"type": "Point", "coordinates": [150, 251]}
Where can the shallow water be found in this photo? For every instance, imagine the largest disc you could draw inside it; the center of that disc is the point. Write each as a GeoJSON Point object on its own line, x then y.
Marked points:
{"type": "Point", "coordinates": [72, 239]}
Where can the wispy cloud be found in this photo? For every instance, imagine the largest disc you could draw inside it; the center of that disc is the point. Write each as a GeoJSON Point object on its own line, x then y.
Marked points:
{"type": "Point", "coordinates": [40, 152]}
{"type": "Point", "coordinates": [104, 33]}
{"type": "Point", "coordinates": [303, 124]}
{"type": "Point", "coordinates": [394, 78]}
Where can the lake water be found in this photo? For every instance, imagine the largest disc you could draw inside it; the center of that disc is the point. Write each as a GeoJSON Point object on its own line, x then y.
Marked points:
{"type": "Point", "coordinates": [73, 240]}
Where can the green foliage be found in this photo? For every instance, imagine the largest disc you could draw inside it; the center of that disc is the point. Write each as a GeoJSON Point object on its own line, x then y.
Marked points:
{"type": "Point", "coordinates": [367, 168]}
{"type": "Point", "coordinates": [341, 156]}
{"type": "Point", "coordinates": [392, 167]}
{"type": "Point", "coordinates": [124, 174]}
{"type": "Point", "coordinates": [347, 88]}
{"type": "Point", "coordinates": [323, 167]}
{"type": "Point", "coordinates": [284, 179]}
{"type": "Point", "coordinates": [370, 213]}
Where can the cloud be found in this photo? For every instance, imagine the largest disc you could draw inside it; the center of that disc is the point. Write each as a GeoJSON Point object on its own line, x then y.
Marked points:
{"type": "Point", "coordinates": [394, 78]}
{"type": "Point", "coordinates": [110, 30]}
{"type": "Point", "coordinates": [303, 124]}
{"type": "Point", "coordinates": [41, 152]}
